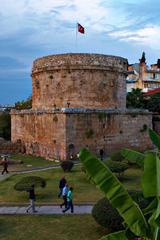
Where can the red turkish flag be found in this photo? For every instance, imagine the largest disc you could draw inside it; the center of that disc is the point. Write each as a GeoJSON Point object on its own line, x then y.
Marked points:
{"type": "Point", "coordinates": [80, 28]}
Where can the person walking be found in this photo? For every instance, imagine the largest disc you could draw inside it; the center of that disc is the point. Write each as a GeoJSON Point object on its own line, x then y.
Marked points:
{"type": "Point", "coordinates": [69, 201]}
{"type": "Point", "coordinates": [62, 183]}
{"type": "Point", "coordinates": [64, 195]}
{"type": "Point", "coordinates": [32, 199]}
{"type": "Point", "coordinates": [5, 165]}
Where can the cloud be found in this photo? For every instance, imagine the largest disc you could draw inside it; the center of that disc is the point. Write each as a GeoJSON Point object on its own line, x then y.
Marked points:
{"type": "Point", "coordinates": [33, 28]}
{"type": "Point", "coordinates": [148, 36]}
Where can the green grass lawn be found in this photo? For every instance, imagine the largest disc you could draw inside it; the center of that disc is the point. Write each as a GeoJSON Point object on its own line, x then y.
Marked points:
{"type": "Point", "coordinates": [73, 227]}
{"type": "Point", "coordinates": [29, 162]}
{"type": "Point", "coordinates": [84, 191]}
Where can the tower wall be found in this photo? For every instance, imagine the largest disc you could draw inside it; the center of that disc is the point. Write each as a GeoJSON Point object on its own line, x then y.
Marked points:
{"type": "Point", "coordinates": [79, 81]}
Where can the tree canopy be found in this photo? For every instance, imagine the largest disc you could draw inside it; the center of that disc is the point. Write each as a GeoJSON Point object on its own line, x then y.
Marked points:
{"type": "Point", "coordinates": [24, 104]}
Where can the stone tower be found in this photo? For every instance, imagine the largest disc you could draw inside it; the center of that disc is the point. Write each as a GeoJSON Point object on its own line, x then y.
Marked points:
{"type": "Point", "coordinates": [79, 100]}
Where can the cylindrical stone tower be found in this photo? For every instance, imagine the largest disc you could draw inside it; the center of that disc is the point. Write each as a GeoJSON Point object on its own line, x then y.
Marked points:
{"type": "Point", "coordinates": [92, 81]}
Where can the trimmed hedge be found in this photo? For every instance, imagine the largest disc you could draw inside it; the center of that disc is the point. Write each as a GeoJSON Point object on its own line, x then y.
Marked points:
{"type": "Point", "coordinates": [107, 216]}
{"type": "Point", "coordinates": [116, 167]}
{"type": "Point", "coordinates": [67, 166]}
{"type": "Point", "coordinates": [26, 183]}
{"type": "Point", "coordinates": [117, 156]}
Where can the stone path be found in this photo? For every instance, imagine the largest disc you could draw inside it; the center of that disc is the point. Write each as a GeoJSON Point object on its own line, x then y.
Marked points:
{"type": "Point", "coordinates": [44, 210]}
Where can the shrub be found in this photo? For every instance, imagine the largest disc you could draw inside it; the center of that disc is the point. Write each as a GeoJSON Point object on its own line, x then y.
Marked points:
{"type": "Point", "coordinates": [26, 183]}
{"type": "Point", "coordinates": [117, 156]}
{"type": "Point", "coordinates": [116, 167]}
{"type": "Point", "coordinates": [67, 166]}
{"type": "Point", "coordinates": [108, 217]}
{"type": "Point", "coordinates": [83, 169]}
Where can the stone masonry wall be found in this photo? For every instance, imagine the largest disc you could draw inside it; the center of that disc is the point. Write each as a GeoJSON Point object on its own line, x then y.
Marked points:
{"type": "Point", "coordinates": [7, 147]}
{"type": "Point", "coordinates": [63, 133]}
{"type": "Point", "coordinates": [43, 133]}
{"type": "Point", "coordinates": [79, 80]}
{"type": "Point", "coordinates": [109, 131]}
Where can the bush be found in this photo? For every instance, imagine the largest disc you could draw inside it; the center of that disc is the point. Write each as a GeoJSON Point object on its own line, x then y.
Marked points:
{"type": "Point", "coordinates": [67, 166]}
{"type": "Point", "coordinates": [83, 169]}
{"type": "Point", "coordinates": [108, 217]}
{"type": "Point", "coordinates": [26, 183]}
{"type": "Point", "coordinates": [116, 167]}
{"type": "Point", "coordinates": [117, 156]}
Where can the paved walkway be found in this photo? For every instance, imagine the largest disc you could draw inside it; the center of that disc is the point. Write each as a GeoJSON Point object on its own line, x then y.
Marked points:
{"type": "Point", "coordinates": [45, 210]}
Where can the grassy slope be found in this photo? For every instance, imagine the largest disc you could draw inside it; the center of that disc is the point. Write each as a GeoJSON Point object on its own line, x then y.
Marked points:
{"type": "Point", "coordinates": [29, 162]}
{"type": "Point", "coordinates": [49, 227]}
{"type": "Point", "coordinates": [83, 190]}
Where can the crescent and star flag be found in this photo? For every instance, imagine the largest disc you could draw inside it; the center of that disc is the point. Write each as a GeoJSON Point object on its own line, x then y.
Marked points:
{"type": "Point", "coordinates": [80, 28]}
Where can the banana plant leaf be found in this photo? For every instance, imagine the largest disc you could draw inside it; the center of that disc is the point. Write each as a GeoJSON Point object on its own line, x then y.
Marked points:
{"type": "Point", "coordinates": [107, 182]}
{"type": "Point", "coordinates": [154, 137]}
{"type": "Point", "coordinates": [151, 177]}
{"type": "Point", "coordinates": [121, 235]}
{"type": "Point", "coordinates": [151, 207]}
{"type": "Point", "coordinates": [133, 156]}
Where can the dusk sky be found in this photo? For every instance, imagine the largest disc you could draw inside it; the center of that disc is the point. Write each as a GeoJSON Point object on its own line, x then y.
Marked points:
{"type": "Point", "coordinates": [30, 29]}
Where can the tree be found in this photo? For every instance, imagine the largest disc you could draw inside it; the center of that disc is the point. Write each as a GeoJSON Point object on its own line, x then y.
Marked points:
{"type": "Point", "coordinates": [135, 99]}
{"type": "Point", "coordinates": [153, 104]}
{"type": "Point", "coordinates": [5, 125]}
{"type": "Point", "coordinates": [24, 104]}
{"type": "Point", "coordinates": [144, 224]}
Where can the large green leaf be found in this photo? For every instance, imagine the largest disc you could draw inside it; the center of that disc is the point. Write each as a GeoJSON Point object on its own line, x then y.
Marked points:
{"type": "Point", "coordinates": [154, 137]}
{"type": "Point", "coordinates": [107, 182]}
{"type": "Point", "coordinates": [151, 176]}
{"type": "Point", "coordinates": [151, 207]}
{"type": "Point", "coordinates": [133, 156]}
{"type": "Point", "coordinates": [121, 235]}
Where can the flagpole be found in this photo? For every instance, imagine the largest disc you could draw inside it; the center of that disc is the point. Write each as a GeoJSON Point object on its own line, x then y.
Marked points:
{"type": "Point", "coordinates": [76, 36]}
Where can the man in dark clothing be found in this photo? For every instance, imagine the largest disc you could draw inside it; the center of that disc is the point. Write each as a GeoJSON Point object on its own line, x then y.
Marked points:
{"type": "Point", "coordinates": [5, 165]}
{"type": "Point", "coordinates": [101, 153]}
{"type": "Point", "coordinates": [32, 199]}
{"type": "Point", "coordinates": [62, 184]}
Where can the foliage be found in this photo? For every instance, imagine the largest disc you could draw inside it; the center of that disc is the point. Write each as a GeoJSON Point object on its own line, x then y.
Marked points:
{"type": "Point", "coordinates": [116, 167]}
{"type": "Point", "coordinates": [144, 224]}
{"type": "Point", "coordinates": [24, 104]}
{"type": "Point", "coordinates": [26, 183]}
{"type": "Point", "coordinates": [135, 99]}
{"type": "Point", "coordinates": [5, 125]}
{"type": "Point", "coordinates": [67, 166]}
{"type": "Point", "coordinates": [89, 133]}
{"type": "Point", "coordinates": [153, 104]}
{"type": "Point", "coordinates": [133, 156]}
{"type": "Point", "coordinates": [108, 217]}
{"type": "Point", "coordinates": [106, 181]}
{"type": "Point", "coordinates": [117, 156]}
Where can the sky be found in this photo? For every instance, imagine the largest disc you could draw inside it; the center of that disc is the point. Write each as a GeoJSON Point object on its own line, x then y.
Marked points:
{"type": "Point", "coordinates": [30, 29]}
